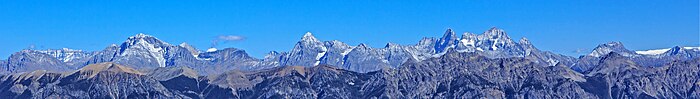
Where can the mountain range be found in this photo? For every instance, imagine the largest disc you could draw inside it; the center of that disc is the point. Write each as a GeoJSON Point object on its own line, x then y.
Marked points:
{"type": "Point", "coordinates": [487, 65]}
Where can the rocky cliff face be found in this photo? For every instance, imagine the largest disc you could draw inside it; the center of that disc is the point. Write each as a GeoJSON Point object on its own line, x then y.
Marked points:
{"type": "Point", "coordinates": [488, 65]}
{"type": "Point", "coordinates": [453, 75]}
{"type": "Point", "coordinates": [140, 52]}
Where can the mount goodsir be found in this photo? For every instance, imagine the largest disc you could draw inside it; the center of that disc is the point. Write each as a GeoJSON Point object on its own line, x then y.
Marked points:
{"type": "Point", "coordinates": [488, 65]}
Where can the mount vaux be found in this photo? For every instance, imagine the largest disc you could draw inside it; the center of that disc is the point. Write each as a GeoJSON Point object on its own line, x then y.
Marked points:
{"type": "Point", "coordinates": [486, 65]}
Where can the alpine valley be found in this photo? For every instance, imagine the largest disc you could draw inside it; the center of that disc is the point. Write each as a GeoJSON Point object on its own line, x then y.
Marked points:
{"type": "Point", "coordinates": [486, 65]}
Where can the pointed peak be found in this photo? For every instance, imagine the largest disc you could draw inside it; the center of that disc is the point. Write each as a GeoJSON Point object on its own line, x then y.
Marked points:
{"type": "Point", "coordinates": [184, 44]}
{"type": "Point", "coordinates": [676, 47]}
{"type": "Point", "coordinates": [140, 35]}
{"type": "Point", "coordinates": [70, 50]}
{"type": "Point", "coordinates": [309, 37]}
{"type": "Point", "coordinates": [335, 42]}
{"type": "Point", "coordinates": [449, 30]}
{"type": "Point", "coordinates": [273, 53]}
{"type": "Point", "coordinates": [145, 39]}
{"type": "Point", "coordinates": [308, 34]}
{"type": "Point", "coordinates": [468, 34]}
{"type": "Point", "coordinates": [495, 29]}
{"type": "Point", "coordinates": [615, 43]}
{"type": "Point", "coordinates": [448, 34]}
{"type": "Point", "coordinates": [495, 32]}
{"type": "Point", "coordinates": [391, 45]}
{"type": "Point", "coordinates": [447, 40]}
{"type": "Point", "coordinates": [362, 45]}
{"type": "Point", "coordinates": [524, 41]}
{"type": "Point", "coordinates": [606, 48]}
{"type": "Point", "coordinates": [674, 50]}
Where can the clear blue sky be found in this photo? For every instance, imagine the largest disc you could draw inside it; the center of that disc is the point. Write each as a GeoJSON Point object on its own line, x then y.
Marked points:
{"type": "Point", "coordinates": [562, 26]}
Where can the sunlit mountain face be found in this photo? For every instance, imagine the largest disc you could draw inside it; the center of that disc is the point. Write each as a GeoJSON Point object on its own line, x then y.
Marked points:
{"type": "Point", "coordinates": [485, 65]}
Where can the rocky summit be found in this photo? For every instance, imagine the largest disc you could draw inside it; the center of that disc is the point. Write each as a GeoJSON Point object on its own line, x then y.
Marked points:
{"type": "Point", "coordinates": [486, 65]}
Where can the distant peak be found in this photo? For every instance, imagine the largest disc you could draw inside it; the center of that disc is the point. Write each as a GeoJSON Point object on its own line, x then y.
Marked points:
{"type": "Point", "coordinates": [606, 48]}
{"type": "Point", "coordinates": [308, 34]}
{"type": "Point", "coordinates": [468, 34]}
{"type": "Point", "coordinates": [140, 35]}
{"type": "Point", "coordinates": [447, 40]}
{"type": "Point", "coordinates": [615, 43]}
{"type": "Point", "coordinates": [524, 41]}
{"type": "Point", "coordinates": [495, 32]}
{"type": "Point", "coordinates": [675, 50]}
{"type": "Point", "coordinates": [362, 45]}
{"type": "Point", "coordinates": [494, 28]}
{"type": "Point", "coordinates": [68, 49]}
{"type": "Point", "coordinates": [273, 53]}
{"type": "Point", "coordinates": [391, 45]}
{"type": "Point", "coordinates": [184, 44]}
{"type": "Point", "coordinates": [309, 37]}
{"type": "Point", "coordinates": [449, 34]}
{"type": "Point", "coordinates": [335, 43]}
{"type": "Point", "coordinates": [449, 30]}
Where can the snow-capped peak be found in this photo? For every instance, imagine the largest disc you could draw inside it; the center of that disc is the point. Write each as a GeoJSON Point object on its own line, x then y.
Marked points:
{"type": "Point", "coordinates": [495, 33]}
{"type": "Point", "coordinates": [667, 51]}
{"type": "Point", "coordinates": [142, 45]}
{"type": "Point", "coordinates": [141, 35]}
{"type": "Point", "coordinates": [524, 41]}
{"type": "Point", "coordinates": [468, 39]}
{"type": "Point", "coordinates": [309, 37]}
{"type": "Point", "coordinates": [191, 49]}
{"type": "Point", "coordinates": [606, 48]}
{"type": "Point", "coordinates": [147, 39]}
{"type": "Point", "coordinates": [64, 54]}
{"type": "Point", "coordinates": [362, 45]}
{"type": "Point", "coordinates": [392, 45]}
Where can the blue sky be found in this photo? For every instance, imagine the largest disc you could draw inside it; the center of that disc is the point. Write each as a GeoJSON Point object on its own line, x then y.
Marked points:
{"type": "Point", "coordinates": [561, 26]}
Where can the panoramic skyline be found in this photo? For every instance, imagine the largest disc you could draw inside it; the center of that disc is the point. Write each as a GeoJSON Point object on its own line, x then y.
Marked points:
{"type": "Point", "coordinates": [566, 27]}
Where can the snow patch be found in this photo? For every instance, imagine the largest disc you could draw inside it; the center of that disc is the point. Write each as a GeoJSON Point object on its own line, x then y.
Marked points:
{"type": "Point", "coordinates": [320, 55]}
{"type": "Point", "coordinates": [212, 49]}
{"type": "Point", "coordinates": [493, 46]}
{"type": "Point", "coordinates": [552, 62]}
{"type": "Point", "coordinates": [347, 51]}
{"type": "Point", "coordinates": [653, 52]}
{"type": "Point", "coordinates": [467, 42]}
{"type": "Point", "coordinates": [692, 48]}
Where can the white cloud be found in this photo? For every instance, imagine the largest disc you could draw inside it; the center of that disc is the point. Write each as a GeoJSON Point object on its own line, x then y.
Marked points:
{"type": "Point", "coordinates": [225, 39]}
{"type": "Point", "coordinates": [230, 38]}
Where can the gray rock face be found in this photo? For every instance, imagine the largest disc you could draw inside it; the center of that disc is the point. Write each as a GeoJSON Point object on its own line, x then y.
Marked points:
{"type": "Point", "coordinates": [587, 62]}
{"type": "Point", "coordinates": [365, 59]}
{"type": "Point", "coordinates": [493, 43]}
{"type": "Point", "coordinates": [141, 52]}
{"type": "Point", "coordinates": [3, 67]}
{"type": "Point", "coordinates": [624, 78]}
{"type": "Point", "coordinates": [30, 60]}
{"type": "Point", "coordinates": [446, 42]}
{"type": "Point", "coordinates": [147, 52]}
{"type": "Point", "coordinates": [307, 52]}
{"type": "Point", "coordinates": [453, 75]}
